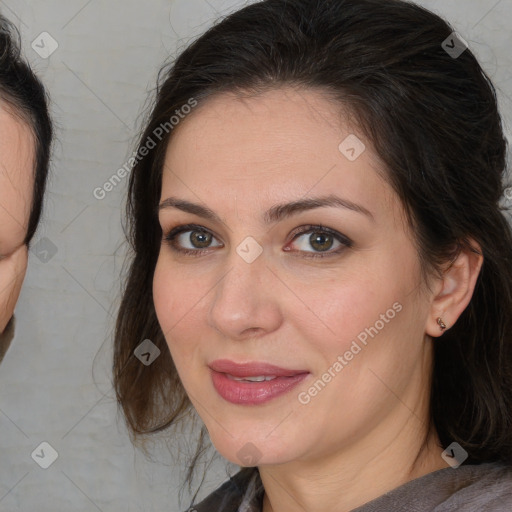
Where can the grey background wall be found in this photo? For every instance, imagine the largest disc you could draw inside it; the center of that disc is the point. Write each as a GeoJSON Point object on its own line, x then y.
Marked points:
{"type": "Point", "coordinates": [99, 75]}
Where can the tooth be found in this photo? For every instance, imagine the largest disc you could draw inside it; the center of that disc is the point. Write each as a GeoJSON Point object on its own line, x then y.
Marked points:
{"type": "Point", "coordinates": [259, 378]}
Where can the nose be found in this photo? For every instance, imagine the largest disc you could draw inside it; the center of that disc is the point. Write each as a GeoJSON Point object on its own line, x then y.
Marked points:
{"type": "Point", "coordinates": [247, 300]}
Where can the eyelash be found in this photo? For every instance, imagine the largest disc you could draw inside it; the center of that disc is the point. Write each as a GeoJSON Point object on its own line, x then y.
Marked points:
{"type": "Point", "coordinates": [171, 236]}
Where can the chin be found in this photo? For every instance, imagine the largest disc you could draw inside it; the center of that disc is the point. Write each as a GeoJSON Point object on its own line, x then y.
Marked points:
{"type": "Point", "coordinates": [254, 450]}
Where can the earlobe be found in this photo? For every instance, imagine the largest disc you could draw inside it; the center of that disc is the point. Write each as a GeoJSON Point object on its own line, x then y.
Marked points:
{"type": "Point", "coordinates": [455, 290]}
{"type": "Point", "coordinates": [441, 324]}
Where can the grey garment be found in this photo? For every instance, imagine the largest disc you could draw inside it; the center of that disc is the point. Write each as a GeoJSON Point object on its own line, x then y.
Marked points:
{"type": "Point", "coordinates": [6, 337]}
{"type": "Point", "coordinates": [243, 492]}
{"type": "Point", "coordinates": [469, 488]}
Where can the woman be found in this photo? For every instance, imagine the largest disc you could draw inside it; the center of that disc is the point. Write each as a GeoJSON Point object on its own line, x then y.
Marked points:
{"type": "Point", "coordinates": [320, 264]}
{"type": "Point", "coordinates": [25, 146]}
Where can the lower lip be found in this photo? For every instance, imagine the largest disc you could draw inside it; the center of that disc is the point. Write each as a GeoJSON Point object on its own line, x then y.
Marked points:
{"type": "Point", "coordinates": [253, 393]}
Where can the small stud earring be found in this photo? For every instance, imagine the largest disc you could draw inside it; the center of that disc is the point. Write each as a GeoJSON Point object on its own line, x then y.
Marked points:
{"type": "Point", "coordinates": [441, 324]}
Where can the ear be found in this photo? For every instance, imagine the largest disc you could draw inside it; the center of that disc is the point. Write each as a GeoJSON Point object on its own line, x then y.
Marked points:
{"type": "Point", "coordinates": [453, 292]}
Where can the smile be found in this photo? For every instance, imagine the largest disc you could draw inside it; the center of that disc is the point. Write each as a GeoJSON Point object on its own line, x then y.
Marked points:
{"type": "Point", "coordinates": [252, 383]}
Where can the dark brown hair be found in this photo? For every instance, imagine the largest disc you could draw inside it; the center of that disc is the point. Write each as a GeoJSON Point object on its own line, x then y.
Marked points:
{"type": "Point", "coordinates": [433, 120]}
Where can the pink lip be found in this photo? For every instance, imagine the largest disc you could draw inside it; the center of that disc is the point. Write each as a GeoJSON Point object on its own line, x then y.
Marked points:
{"type": "Point", "coordinates": [252, 393]}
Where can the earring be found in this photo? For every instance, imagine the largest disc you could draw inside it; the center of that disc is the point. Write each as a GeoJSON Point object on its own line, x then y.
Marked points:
{"type": "Point", "coordinates": [441, 324]}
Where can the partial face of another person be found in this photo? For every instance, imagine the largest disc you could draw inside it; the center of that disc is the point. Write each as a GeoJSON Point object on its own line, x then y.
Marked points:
{"type": "Point", "coordinates": [17, 154]}
{"type": "Point", "coordinates": [326, 276]}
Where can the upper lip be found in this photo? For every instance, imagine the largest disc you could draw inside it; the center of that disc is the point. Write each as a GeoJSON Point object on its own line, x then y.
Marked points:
{"type": "Point", "coordinates": [252, 369]}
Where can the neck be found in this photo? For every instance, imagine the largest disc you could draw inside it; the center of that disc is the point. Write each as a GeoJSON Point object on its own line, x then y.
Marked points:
{"type": "Point", "coordinates": [343, 481]}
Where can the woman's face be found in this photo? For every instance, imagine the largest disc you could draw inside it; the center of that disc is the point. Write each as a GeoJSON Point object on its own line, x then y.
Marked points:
{"type": "Point", "coordinates": [337, 308]}
{"type": "Point", "coordinates": [16, 182]}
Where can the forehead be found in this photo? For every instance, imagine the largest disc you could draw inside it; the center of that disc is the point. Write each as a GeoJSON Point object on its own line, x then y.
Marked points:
{"type": "Point", "coordinates": [17, 152]}
{"type": "Point", "coordinates": [281, 145]}
{"type": "Point", "coordinates": [276, 122]}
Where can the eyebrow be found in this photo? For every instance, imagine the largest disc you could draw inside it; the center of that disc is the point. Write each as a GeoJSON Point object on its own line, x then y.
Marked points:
{"type": "Point", "coordinates": [274, 214]}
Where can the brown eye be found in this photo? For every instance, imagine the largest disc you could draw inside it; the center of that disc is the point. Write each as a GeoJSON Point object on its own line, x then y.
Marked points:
{"type": "Point", "coordinates": [321, 240]}
{"type": "Point", "coordinates": [190, 239]}
{"type": "Point", "coordinates": [200, 239]}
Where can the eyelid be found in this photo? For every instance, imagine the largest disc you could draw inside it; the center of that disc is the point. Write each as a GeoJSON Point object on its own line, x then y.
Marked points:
{"type": "Point", "coordinates": [186, 227]}
{"type": "Point", "coordinates": [345, 242]}
{"type": "Point", "coordinates": [307, 228]}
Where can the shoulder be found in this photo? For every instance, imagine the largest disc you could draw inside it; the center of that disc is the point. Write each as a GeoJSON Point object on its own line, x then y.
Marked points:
{"type": "Point", "coordinates": [243, 488]}
{"type": "Point", "coordinates": [483, 488]}
{"type": "Point", "coordinates": [471, 488]}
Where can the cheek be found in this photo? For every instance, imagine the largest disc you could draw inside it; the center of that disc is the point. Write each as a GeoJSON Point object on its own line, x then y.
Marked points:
{"type": "Point", "coordinates": [165, 296]}
{"type": "Point", "coordinates": [363, 313]}
{"type": "Point", "coordinates": [177, 301]}
{"type": "Point", "coordinates": [12, 273]}
{"type": "Point", "coordinates": [338, 310]}
{"type": "Point", "coordinates": [346, 315]}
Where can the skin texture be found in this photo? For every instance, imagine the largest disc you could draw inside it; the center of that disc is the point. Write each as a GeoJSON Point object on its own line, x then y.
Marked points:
{"type": "Point", "coordinates": [361, 434]}
{"type": "Point", "coordinates": [16, 182]}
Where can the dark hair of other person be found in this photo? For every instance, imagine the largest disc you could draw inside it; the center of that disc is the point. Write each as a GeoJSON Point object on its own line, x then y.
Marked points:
{"type": "Point", "coordinates": [24, 97]}
{"type": "Point", "coordinates": [22, 90]}
{"type": "Point", "coordinates": [433, 120]}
